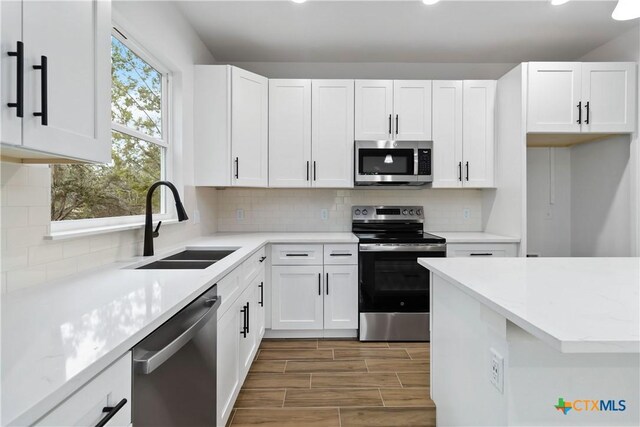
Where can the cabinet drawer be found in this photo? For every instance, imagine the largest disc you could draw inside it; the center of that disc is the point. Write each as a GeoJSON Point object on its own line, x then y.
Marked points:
{"type": "Point", "coordinates": [341, 254]}
{"type": "Point", "coordinates": [85, 407]}
{"type": "Point", "coordinates": [296, 255]}
{"type": "Point", "coordinates": [252, 265]}
{"type": "Point", "coordinates": [229, 290]}
{"type": "Point", "coordinates": [480, 250]}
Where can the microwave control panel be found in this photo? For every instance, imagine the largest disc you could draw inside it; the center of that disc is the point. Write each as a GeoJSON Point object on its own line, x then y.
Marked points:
{"type": "Point", "coordinates": [424, 161]}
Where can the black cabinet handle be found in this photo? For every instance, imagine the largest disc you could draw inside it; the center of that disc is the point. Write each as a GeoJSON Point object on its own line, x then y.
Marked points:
{"type": "Point", "coordinates": [319, 283]}
{"type": "Point", "coordinates": [19, 104]}
{"type": "Point", "coordinates": [327, 284]}
{"type": "Point", "coordinates": [481, 254]}
{"type": "Point", "coordinates": [389, 124]}
{"type": "Point", "coordinates": [579, 121]}
{"type": "Point", "coordinates": [244, 312]}
{"type": "Point", "coordinates": [459, 171]}
{"type": "Point", "coordinates": [315, 176]}
{"type": "Point", "coordinates": [110, 411]}
{"type": "Point", "coordinates": [396, 124]}
{"type": "Point", "coordinates": [307, 171]}
{"type": "Point", "coordinates": [261, 286]}
{"type": "Point", "coordinates": [588, 110]}
{"type": "Point", "coordinates": [247, 317]}
{"type": "Point", "coordinates": [340, 254]}
{"type": "Point", "coordinates": [237, 167]}
{"type": "Point", "coordinates": [263, 258]}
{"type": "Point", "coordinates": [467, 178]}
{"type": "Point", "coordinates": [44, 113]}
{"type": "Point", "coordinates": [296, 254]}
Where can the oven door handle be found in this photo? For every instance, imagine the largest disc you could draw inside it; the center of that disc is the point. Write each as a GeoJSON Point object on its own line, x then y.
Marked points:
{"type": "Point", "coordinates": [377, 247]}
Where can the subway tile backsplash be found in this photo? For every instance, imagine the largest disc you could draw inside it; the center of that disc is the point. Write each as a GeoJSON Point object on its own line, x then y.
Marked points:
{"type": "Point", "coordinates": [300, 209]}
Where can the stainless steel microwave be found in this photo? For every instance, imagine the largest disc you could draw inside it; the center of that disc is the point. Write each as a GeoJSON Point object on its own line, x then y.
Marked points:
{"type": "Point", "coordinates": [393, 162]}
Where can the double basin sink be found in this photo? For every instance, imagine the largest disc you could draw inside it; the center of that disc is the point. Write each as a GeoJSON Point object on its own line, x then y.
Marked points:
{"type": "Point", "coordinates": [190, 259]}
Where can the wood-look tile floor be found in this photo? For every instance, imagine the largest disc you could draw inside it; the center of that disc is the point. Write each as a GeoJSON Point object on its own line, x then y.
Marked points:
{"type": "Point", "coordinates": [336, 383]}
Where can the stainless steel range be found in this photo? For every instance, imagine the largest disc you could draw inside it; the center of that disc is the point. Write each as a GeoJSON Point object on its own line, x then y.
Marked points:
{"type": "Point", "coordinates": [394, 289]}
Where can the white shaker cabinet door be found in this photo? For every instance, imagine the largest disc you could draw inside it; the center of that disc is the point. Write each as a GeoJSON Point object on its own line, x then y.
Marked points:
{"type": "Point", "coordinates": [609, 96]}
{"type": "Point", "coordinates": [297, 301]}
{"type": "Point", "coordinates": [555, 104]}
{"type": "Point", "coordinates": [374, 109]}
{"type": "Point", "coordinates": [447, 133]}
{"type": "Point", "coordinates": [478, 133]}
{"type": "Point", "coordinates": [228, 362]}
{"type": "Point", "coordinates": [11, 38]}
{"type": "Point", "coordinates": [74, 113]}
{"type": "Point", "coordinates": [341, 297]}
{"type": "Point", "coordinates": [332, 133]}
{"type": "Point", "coordinates": [289, 133]}
{"type": "Point", "coordinates": [249, 128]}
{"type": "Point", "coordinates": [412, 110]}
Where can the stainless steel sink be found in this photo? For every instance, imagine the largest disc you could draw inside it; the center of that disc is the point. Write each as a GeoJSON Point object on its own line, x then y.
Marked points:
{"type": "Point", "coordinates": [200, 255]}
{"type": "Point", "coordinates": [190, 259]}
{"type": "Point", "coordinates": [176, 265]}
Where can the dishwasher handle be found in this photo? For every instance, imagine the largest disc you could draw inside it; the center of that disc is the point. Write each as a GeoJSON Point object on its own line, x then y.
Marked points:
{"type": "Point", "coordinates": [149, 361]}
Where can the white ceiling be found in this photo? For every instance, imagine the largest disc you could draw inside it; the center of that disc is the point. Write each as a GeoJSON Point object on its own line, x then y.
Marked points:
{"type": "Point", "coordinates": [402, 31]}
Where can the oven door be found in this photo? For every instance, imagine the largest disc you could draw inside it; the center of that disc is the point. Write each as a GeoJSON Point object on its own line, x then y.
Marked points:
{"type": "Point", "coordinates": [391, 280]}
{"type": "Point", "coordinates": [386, 161]}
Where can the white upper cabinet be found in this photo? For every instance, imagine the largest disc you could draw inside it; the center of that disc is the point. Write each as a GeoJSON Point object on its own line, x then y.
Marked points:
{"type": "Point", "coordinates": [10, 42]}
{"type": "Point", "coordinates": [230, 127]}
{"type": "Point", "coordinates": [463, 133]}
{"type": "Point", "coordinates": [609, 96]}
{"type": "Point", "coordinates": [574, 97]}
{"type": "Point", "coordinates": [66, 80]}
{"type": "Point", "coordinates": [374, 109]}
{"type": "Point", "coordinates": [447, 133]}
{"type": "Point", "coordinates": [289, 133]}
{"type": "Point", "coordinates": [393, 109]}
{"type": "Point", "coordinates": [412, 110]}
{"type": "Point", "coordinates": [478, 142]}
{"type": "Point", "coordinates": [332, 133]}
{"type": "Point", "coordinates": [249, 125]}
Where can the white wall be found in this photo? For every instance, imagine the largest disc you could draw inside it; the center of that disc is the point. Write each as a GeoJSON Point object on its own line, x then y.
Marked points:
{"type": "Point", "coordinates": [299, 209]}
{"type": "Point", "coordinates": [27, 259]}
{"type": "Point", "coordinates": [377, 70]}
{"type": "Point", "coordinates": [549, 201]}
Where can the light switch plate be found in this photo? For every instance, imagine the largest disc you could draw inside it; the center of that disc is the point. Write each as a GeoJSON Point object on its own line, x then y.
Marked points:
{"type": "Point", "coordinates": [324, 214]}
{"type": "Point", "coordinates": [239, 214]}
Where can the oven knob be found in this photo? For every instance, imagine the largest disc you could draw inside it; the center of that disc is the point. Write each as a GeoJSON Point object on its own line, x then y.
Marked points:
{"type": "Point", "coordinates": [419, 212]}
{"type": "Point", "coordinates": [357, 212]}
{"type": "Point", "coordinates": [364, 211]}
{"type": "Point", "coordinates": [410, 211]}
{"type": "Point", "coordinates": [404, 212]}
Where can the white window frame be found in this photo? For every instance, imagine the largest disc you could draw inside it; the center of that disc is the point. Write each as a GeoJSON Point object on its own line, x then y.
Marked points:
{"type": "Point", "coordinates": [70, 228]}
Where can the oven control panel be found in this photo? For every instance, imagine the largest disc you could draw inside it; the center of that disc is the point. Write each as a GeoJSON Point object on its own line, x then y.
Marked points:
{"type": "Point", "coordinates": [387, 213]}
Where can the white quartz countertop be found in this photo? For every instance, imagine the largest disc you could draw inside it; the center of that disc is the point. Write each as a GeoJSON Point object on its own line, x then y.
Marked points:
{"type": "Point", "coordinates": [474, 237]}
{"type": "Point", "coordinates": [57, 336]}
{"type": "Point", "coordinates": [576, 305]}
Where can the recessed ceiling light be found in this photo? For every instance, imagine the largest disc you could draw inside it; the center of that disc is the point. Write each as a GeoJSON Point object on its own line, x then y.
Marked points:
{"type": "Point", "coordinates": [430, 2]}
{"type": "Point", "coordinates": [626, 9]}
{"type": "Point", "coordinates": [298, 1]}
{"type": "Point", "coordinates": [558, 2]}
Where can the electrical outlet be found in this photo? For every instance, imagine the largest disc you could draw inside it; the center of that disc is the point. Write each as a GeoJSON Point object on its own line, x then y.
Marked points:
{"type": "Point", "coordinates": [239, 214]}
{"type": "Point", "coordinates": [324, 214]}
{"type": "Point", "coordinates": [466, 213]}
{"type": "Point", "coordinates": [196, 216]}
{"type": "Point", "coordinates": [496, 373]}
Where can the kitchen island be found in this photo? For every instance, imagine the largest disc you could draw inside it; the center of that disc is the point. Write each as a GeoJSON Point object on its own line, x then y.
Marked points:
{"type": "Point", "coordinates": [535, 341]}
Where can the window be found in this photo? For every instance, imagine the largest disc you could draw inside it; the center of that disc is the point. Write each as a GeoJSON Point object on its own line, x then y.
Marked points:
{"type": "Point", "coordinates": [139, 100]}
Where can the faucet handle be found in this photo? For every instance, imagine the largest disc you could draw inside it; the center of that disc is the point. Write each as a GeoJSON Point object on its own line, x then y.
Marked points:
{"type": "Point", "coordinates": [156, 232]}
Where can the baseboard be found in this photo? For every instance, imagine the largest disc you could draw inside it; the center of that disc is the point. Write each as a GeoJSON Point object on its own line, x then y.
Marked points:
{"type": "Point", "coordinates": [315, 333]}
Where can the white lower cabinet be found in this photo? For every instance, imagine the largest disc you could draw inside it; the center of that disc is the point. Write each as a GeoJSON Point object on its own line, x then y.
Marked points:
{"type": "Point", "coordinates": [480, 250]}
{"type": "Point", "coordinates": [315, 297]}
{"type": "Point", "coordinates": [228, 361]}
{"type": "Point", "coordinates": [259, 297]}
{"type": "Point", "coordinates": [248, 342]}
{"type": "Point", "coordinates": [86, 406]}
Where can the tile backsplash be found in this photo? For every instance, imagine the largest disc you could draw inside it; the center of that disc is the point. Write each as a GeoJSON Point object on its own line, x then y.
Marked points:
{"type": "Point", "coordinates": [300, 209]}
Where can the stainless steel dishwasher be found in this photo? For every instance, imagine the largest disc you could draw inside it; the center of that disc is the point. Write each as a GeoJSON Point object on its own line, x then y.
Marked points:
{"type": "Point", "coordinates": [174, 368]}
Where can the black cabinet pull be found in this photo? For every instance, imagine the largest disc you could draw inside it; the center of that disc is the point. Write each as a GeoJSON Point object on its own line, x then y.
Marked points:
{"type": "Point", "coordinates": [261, 286]}
{"type": "Point", "coordinates": [19, 104]}
{"type": "Point", "coordinates": [296, 254]}
{"type": "Point", "coordinates": [396, 124]}
{"type": "Point", "coordinates": [307, 170]}
{"type": "Point", "coordinates": [315, 176]}
{"type": "Point", "coordinates": [237, 167]}
{"type": "Point", "coordinates": [244, 331]}
{"type": "Point", "coordinates": [459, 171]}
{"type": "Point", "coordinates": [389, 124]}
{"type": "Point", "coordinates": [340, 254]}
{"type": "Point", "coordinates": [588, 109]}
{"type": "Point", "coordinates": [110, 411]}
{"type": "Point", "coordinates": [319, 283]}
{"type": "Point", "coordinates": [579, 121]}
{"type": "Point", "coordinates": [327, 284]}
{"type": "Point", "coordinates": [467, 171]}
{"type": "Point", "coordinates": [247, 317]}
{"type": "Point", "coordinates": [481, 254]}
{"type": "Point", "coordinates": [44, 113]}
{"type": "Point", "coordinates": [263, 258]}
